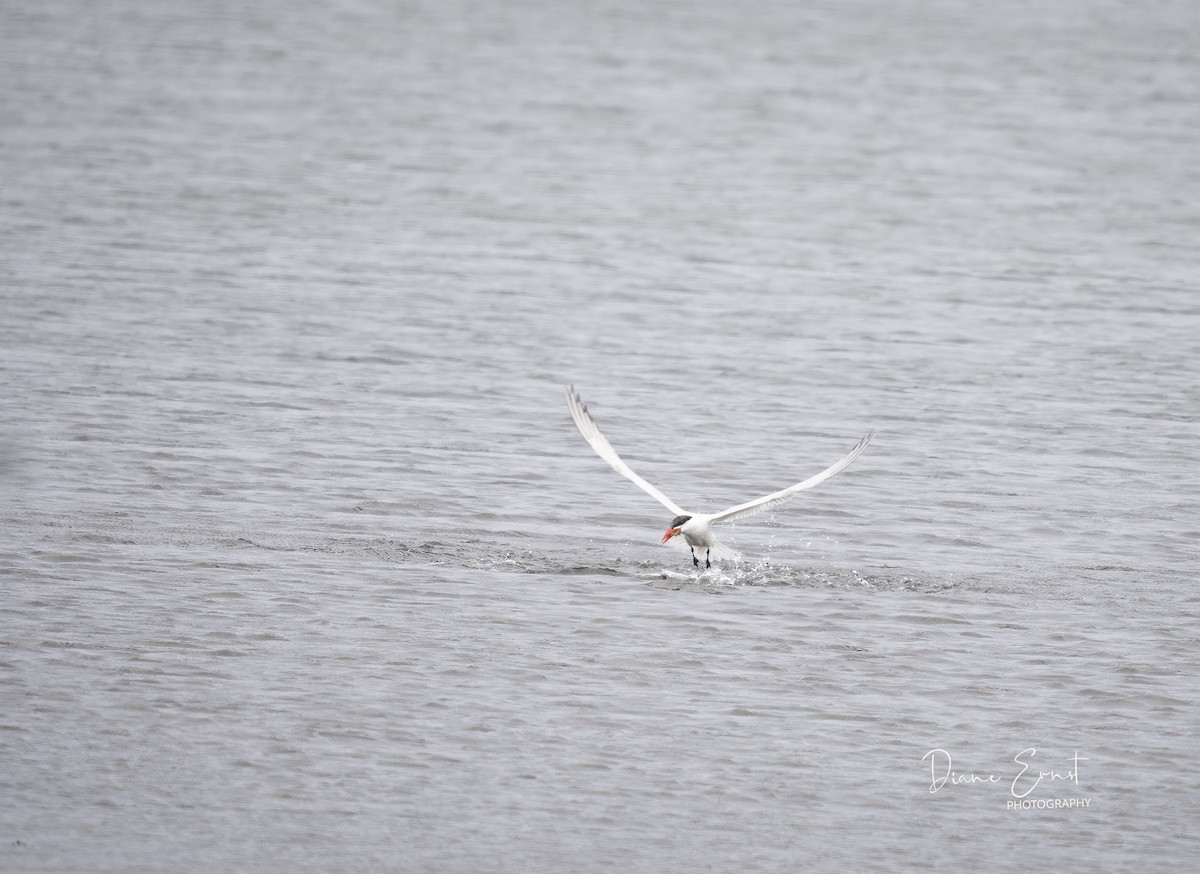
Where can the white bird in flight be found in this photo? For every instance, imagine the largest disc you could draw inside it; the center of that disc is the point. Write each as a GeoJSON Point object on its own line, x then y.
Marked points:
{"type": "Point", "coordinates": [696, 528]}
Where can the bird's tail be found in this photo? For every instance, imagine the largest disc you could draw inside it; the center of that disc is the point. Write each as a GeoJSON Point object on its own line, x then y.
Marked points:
{"type": "Point", "coordinates": [717, 552]}
{"type": "Point", "coordinates": [721, 552]}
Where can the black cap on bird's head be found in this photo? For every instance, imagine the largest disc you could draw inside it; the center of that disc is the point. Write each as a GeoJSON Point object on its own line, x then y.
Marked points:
{"type": "Point", "coordinates": [676, 524]}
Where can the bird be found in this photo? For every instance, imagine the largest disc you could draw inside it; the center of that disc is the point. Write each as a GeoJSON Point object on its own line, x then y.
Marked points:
{"type": "Point", "coordinates": [697, 528]}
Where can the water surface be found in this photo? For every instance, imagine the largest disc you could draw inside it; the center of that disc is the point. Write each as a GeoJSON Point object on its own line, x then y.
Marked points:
{"type": "Point", "coordinates": [306, 567]}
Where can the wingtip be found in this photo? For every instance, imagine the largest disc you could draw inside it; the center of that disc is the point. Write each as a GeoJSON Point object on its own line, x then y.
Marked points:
{"type": "Point", "coordinates": [579, 411]}
{"type": "Point", "coordinates": [574, 399]}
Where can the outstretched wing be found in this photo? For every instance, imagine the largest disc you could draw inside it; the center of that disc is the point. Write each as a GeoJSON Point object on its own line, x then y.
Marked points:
{"type": "Point", "coordinates": [591, 433]}
{"type": "Point", "coordinates": [767, 501]}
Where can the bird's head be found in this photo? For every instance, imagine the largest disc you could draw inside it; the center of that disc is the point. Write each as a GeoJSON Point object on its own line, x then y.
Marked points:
{"type": "Point", "coordinates": [676, 527]}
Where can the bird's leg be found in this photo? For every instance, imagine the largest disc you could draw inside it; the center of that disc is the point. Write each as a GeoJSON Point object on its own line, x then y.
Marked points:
{"type": "Point", "coordinates": [695, 560]}
{"type": "Point", "coordinates": [707, 558]}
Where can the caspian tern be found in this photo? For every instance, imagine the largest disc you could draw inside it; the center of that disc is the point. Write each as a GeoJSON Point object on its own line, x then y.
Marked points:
{"type": "Point", "coordinates": [696, 528]}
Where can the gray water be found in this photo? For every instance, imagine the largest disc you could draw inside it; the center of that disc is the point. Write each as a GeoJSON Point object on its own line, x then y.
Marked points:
{"type": "Point", "coordinates": [305, 567]}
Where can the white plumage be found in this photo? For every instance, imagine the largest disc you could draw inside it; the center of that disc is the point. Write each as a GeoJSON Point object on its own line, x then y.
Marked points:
{"type": "Point", "coordinates": [696, 528]}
